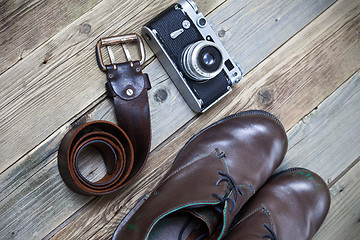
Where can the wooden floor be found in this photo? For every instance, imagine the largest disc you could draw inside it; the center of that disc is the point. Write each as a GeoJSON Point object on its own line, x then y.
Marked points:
{"type": "Point", "coordinates": [301, 61]}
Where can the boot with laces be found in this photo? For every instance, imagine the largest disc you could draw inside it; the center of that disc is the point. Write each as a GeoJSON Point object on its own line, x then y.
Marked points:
{"type": "Point", "coordinates": [291, 205]}
{"type": "Point", "coordinates": [212, 177]}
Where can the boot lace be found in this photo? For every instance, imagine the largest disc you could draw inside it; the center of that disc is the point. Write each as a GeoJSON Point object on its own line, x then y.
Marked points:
{"type": "Point", "coordinates": [233, 186]}
{"type": "Point", "coordinates": [231, 181]}
{"type": "Point", "coordinates": [270, 235]}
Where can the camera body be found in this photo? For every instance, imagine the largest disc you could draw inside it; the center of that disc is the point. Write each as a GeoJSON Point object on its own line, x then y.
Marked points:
{"type": "Point", "coordinates": [192, 54]}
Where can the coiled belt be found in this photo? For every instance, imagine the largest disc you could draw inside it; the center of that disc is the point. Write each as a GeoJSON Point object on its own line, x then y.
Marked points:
{"type": "Point", "coordinates": [124, 148]}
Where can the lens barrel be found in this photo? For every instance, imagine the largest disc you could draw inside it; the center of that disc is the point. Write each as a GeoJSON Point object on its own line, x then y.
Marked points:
{"type": "Point", "coordinates": [202, 60]}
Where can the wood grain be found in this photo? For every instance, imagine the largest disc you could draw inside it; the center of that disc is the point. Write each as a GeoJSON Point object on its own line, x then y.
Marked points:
{"type": "Point", "coordinates": [328, 137]}
{"type": "Point", "coordinates": [339, 106]}
{"type": "Point", "coordinates": [342, 221]}
{"type": "Point", "coordinates": [25, 25]}
{"type": "Point", "coordinates": [37, 195]}
{"type": "Point", "coordinates": [37, 98]}
{"type": "Point", "coordinates": [49, 88]}
{"type": "Point", "coordinates": [105, 111]}
{"type": "Point", "coordinates": [271, 25]}
{"type": "Point", "coordinates": [105, 214]}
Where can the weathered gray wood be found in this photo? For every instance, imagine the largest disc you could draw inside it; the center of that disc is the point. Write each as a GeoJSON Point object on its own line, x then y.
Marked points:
{"type": "Point", "coordinates": [161, 159]}
{"type": "Point", "coordinates": [105, 109]}
{"type": "Point", "coordinates": [25, 25]}
{"type": "Point", "coordinates": [342, 221]}
{"type": "Point", "coordinates": [50, 90]}
{"type": "Point", "coordinates": [39, 207]}
{"type": "Point", "coordinates": [31, 92]}
{"type": "Point", "coordinates": [270, 26]}
{"type": "Point", "coordinates": [112, 208]}
{"type": "Point", "coordinates": [312, 66]}
{"type": "Point", "coordinates": [328, 138]}
{"type": "Point", "coordinates": [33, 161]}
{"type": "Point", "coordinates": [346, 98]}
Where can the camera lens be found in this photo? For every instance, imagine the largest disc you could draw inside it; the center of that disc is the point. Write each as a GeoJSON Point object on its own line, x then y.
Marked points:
{"type": "Point", "coordinates": [208, 59]}
{"type": "Point", "coordinates": [202, 60]}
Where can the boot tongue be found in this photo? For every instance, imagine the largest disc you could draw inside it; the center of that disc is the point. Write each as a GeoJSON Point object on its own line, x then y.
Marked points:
{"type": "Point", "coordinates": [211, 217]}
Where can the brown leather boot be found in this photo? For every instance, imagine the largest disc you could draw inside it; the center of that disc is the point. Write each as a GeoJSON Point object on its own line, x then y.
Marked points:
{"type": "Point", "coordinates": [291, 205]}
{"type": "Point", "coordinates": [212, 177]}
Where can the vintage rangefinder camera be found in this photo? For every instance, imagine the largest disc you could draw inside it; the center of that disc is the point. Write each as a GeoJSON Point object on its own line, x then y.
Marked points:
{"type": "Point", "coordinates": [192, 54]}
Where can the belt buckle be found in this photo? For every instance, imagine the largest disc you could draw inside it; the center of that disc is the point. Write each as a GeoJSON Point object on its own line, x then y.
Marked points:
{"type": "Point", "coordinates": [121, 39]}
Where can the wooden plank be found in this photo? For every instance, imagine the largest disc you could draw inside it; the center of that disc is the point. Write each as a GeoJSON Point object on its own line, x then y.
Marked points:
{"type": "Point", "coordinates": [116, 204]}
{"type": "Point", "coordinates": [33, 87]}
{"type": "Point", "coordinates": [328, 137]}
{"type": "Point", "coordinates": [342, 221]}
{"type": "Point", "coordinates": [40, 205]}
{"type": "Point", "coordinates": [25, 25]}
{"type": "Point", "coordinates": [49, 88]}
{"type": "Point", "coordinates": [105, 213]}
{"type": "Point", "coordinates": [25, 88]}
{"type": "Point", "coordinates": [270, 26]}
{"type": "Point", "coordinates": [50, 145]}
{"type": "Point", "coordinates": [34, 161]}
{"type": "Point", "coordinates": [103, 111]}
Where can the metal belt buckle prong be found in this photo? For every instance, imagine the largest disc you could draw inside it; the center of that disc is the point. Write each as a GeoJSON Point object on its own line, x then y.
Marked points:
{"type": "Point", "coordinates": [122, 39]}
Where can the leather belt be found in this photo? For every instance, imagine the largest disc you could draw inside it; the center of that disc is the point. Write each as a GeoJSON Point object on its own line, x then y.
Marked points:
{"type": "Point", "coordinates": [123, 147]}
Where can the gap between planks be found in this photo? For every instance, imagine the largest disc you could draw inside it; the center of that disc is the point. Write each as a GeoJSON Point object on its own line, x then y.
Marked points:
{"type": "Point", "coordinates": [342, 221]}
{"type": "Point", "coordinates": [162, 152]}
{"type": "Point", "coordinates": [61, 97]}
{"type": "Point", "coordinates": [175, 97]}
{"type": "Point", "coordinates": [33, 88]}
{"type": "Point", "coordinates": [26, 25]}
